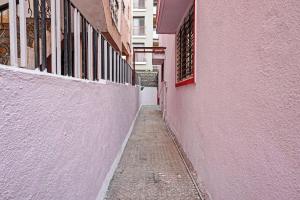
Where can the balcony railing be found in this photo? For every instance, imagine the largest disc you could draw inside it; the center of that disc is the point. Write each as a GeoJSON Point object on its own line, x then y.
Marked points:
{"type": "Point", "coordinates": [75, 47]}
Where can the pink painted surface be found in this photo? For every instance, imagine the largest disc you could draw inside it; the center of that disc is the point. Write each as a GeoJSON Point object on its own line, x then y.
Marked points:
{"type": "Point", "coordinates": [240, 123]}
{"type": "Point", "coordinates": [59, 137]}
{"type": "Point", "coordinates": [170, 13]}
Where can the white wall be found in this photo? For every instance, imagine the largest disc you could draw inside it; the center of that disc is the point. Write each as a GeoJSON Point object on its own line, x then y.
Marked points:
{"type": "Point", "coordinates": [148, 96]}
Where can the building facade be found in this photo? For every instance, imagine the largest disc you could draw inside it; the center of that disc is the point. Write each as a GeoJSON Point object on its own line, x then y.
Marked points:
{"type": "Point", "coordinates": [230, 93]}
{"type": "Point", "coordinates": [142, 34]}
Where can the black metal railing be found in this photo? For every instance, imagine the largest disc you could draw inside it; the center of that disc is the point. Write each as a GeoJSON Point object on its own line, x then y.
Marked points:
{"type": "Point", "coordinates": [93, 46]}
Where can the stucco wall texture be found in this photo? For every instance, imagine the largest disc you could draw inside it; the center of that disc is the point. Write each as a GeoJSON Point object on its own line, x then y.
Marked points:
{"type": "Point", "coordinates": [240, 123]}
{"type": "Point", "coordinates": [59, 137]}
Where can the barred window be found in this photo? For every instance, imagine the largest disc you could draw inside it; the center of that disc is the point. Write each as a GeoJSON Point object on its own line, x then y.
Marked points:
{"type": "Point", "coordinates": [185, 50]}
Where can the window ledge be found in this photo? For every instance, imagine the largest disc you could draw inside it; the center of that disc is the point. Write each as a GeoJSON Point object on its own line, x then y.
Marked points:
{"type": "Point", "coordinates": [140, 63]}
{"type": "Point", "coordinates": [139, 10]}
{"type": "Point", "coordinates": [139, 36]}
{"type": "Point", "coordinates": [185, 82]}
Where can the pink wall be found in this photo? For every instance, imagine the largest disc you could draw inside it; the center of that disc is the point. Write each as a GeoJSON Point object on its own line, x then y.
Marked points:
{"type": "Point", "coordinates": [59, 136]}
{"type": "Point", "coordinates": [240, 123]}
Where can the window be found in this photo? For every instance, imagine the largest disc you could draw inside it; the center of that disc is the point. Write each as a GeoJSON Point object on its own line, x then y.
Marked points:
{"type": "Point", "coordinates": [185, 45]}
{"type": "Point", "coordinates": [138, 25]}
{"type": "Point", "coordinates": [139, 4]}
{"type": "Point", "coordinates": [139, 57]}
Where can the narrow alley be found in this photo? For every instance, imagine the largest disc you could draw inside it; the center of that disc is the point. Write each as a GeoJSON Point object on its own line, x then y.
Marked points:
{"type": "Point", "coordinates": [151, 166]}
{"type": "Point", "coordinates": [149, 100]}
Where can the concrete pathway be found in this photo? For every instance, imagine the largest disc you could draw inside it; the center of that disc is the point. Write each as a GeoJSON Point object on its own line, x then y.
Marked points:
{"type": "Point", "coordinates": [151, 167]}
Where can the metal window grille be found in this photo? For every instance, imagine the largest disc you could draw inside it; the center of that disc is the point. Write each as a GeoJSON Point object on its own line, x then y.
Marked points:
{"type": "Point", "coordinates": [185, 48]}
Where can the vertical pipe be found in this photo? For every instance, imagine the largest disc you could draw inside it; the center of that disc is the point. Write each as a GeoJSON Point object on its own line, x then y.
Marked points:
{"type": "Point", "coordinates": [58, 37]}
{"type": "Point", "coordinates": [36, 34]}
{"type": "Point", "coordinates": [66, 39]}
{"type": "Point", "coordinates": [23, 34]}
{"type": "Point", "coordinates": [44, 42]}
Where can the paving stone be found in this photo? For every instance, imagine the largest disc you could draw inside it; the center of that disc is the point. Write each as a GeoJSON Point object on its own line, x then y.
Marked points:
{"type": "Point", "coordinates": [151, 167]}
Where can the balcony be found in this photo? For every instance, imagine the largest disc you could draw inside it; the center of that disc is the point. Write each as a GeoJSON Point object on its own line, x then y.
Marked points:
{"type": "Point", "coordinates": [170, 13]}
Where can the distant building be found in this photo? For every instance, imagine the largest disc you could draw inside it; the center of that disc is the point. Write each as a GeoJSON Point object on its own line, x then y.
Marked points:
{"type": "Point", "coordinates": [142, 34]}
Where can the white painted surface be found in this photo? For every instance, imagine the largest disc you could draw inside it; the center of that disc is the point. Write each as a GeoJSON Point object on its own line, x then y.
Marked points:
{"type": "Point", "coordinates": [148, 96]}
{"type": "Point", "coordinates": [23, 33]}
{"type": "Point", "coordinates": [58, 37]}
{"type": "Point", "coordinates": [53, 37]}
{"type": "Point", "coordinates": [13, 32]}
{"type": "Point", "coordinates": [77, 44]}
{"type": "Point", "coordinates": [90, 52]}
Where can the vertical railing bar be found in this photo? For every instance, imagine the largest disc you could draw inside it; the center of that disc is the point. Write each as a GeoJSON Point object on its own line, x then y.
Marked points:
{"type": "Point", "coordinates": [99, 64]}
{"type": "Point", "coordinates": [83, 48]}
{"type": "Point", "coordinates": [90, 53]}
{"type": "Point", "coordinates": [123, 81]}
{"type": "Point", "coordinates": [44, 42]}
{"type": "Point", "coordinates": [23, 34]}
{"type": "Point", "coordinates": [117, 71]}
{"type": "Point", "coordinates": [120, 58]}
{"type": "Point", "coordinates": [58, 37]}
{"type": "Point", "coordinates": [36, 34]}
{"type": "Point", "coordinates": [105, 58]}
{"type": "Point", "coordinates": [53, 37]}
{"type": "Point", "coordinates": [66, 38]}
{"type": "Point", "coordinates": [76, 46]}
{"type": "Point", "coordinates": [13, 33]}
{"type": "Point", "coordinates": [108, 61]}
{"type": "Point", "coordinates": [116, 65]}
{"type": "Point", "coordinates": [102, 58]}
{"type": "Point", "coordinates": [111, 61]}
{"type": "Point", "coordinates": [112, 64]}
{"type": "Point", "coordinates": [123, 71]}
{"type": "Point", "coordinates": [95, 55]}
{"type": "Point", "coordinates": [70, 43]}
{"type": "Point", "coordinates": [127, 72]}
